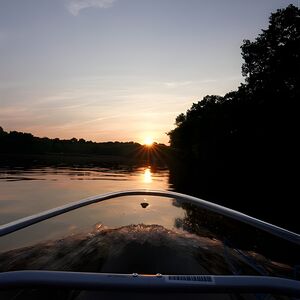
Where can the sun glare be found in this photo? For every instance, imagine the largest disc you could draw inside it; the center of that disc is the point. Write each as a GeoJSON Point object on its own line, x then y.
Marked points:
{"type": "Point", "coordinates": [148, 141]}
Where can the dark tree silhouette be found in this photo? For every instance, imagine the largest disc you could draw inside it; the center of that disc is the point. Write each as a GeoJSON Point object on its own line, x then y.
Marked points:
{"type": "Point", "coordinates": [273, 58]}
{"type": "Point", "coordinates": [242, 149]}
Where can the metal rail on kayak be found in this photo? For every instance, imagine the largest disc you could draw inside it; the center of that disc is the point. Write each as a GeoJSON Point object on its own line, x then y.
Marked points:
{"type": "Point", "coordinates": [273, 229]}
{"type": "Point", "coordinates": [149, 283]}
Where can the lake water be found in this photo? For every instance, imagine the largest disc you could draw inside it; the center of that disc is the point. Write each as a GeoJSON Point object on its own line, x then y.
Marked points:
{"type": "Point", "coordinates": [114, 235]}
{"type": "Point", "coordinates": [27, 191]}
{"type": "Point", "coordinates": [24, 192]}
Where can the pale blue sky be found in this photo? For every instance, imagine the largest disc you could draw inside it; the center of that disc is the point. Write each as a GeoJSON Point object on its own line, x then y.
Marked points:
{"type": "Point", "coordinates": [118, 69]}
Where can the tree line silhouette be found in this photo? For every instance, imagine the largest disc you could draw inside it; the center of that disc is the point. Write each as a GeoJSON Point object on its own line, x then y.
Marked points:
{"type": "Point", "coordinates": [24, 148]}
{"type": "Point", "coordinates": [242, 149]}
{"type": "Point", "coordinates": [26, 143]}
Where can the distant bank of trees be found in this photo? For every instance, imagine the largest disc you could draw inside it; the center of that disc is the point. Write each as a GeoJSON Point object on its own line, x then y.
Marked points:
{"type": "Point", "coordinates": [26, 143]}
{"type": "Point", "coordinates": [245, 145]}
{"type": "Point", "coordinates": [21, 147]}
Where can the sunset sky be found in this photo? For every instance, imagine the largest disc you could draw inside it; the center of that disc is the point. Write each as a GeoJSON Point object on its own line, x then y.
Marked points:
{"type": "Point", "coordinates": [107, 70]}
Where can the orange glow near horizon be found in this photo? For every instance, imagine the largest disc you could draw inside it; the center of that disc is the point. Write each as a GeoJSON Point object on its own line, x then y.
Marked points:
{"type": "Point", "coordinates": [148, 141]}
{"type": "Point", "coordinates": [92, 133]}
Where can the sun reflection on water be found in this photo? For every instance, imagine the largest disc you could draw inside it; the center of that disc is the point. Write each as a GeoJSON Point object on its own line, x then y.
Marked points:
{"type": "Point", "coordinates": [147, 176]}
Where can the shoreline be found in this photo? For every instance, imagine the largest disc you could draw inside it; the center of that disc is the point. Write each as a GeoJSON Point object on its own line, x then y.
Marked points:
{"type": "Point", "coordinates": [7, 159]}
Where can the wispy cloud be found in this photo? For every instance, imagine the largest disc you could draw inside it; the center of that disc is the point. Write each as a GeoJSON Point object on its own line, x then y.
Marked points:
{"type": "Point", "coordinates": [180, 84]}
{"type": "Point", "coordinates": [75, 6]}
{"type": "Point", "coordinates": [174, 84]}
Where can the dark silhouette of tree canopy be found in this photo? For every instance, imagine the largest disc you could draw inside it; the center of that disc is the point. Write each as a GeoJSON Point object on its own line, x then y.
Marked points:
{"type": "Point", "coordinates": [25, 143]}
{"type": "Point", "coordinates": [273, 58]}
{"type": "Point", "coordinates": [244, 145]}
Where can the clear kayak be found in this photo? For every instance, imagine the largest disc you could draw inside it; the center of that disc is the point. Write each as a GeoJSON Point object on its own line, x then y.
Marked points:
{"type": "Point", "coordinates": [161, 244]}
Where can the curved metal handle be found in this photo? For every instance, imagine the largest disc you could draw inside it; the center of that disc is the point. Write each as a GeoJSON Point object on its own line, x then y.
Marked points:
{"type": "Point", "coordinates": [273, 229]}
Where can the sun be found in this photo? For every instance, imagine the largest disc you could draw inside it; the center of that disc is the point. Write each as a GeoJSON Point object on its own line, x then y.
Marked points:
{"type": "Point", "coordinates": [148, 141]}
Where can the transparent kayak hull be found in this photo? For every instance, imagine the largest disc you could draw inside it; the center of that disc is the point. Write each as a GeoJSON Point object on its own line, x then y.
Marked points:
{"type": "Point", "coordinates": [205, 248]}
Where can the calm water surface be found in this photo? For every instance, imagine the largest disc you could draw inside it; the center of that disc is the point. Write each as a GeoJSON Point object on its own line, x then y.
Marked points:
{"type": "Point", "coordinates": [24, 192]}
{"type": "Point", "coordinates": [27, 191]}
